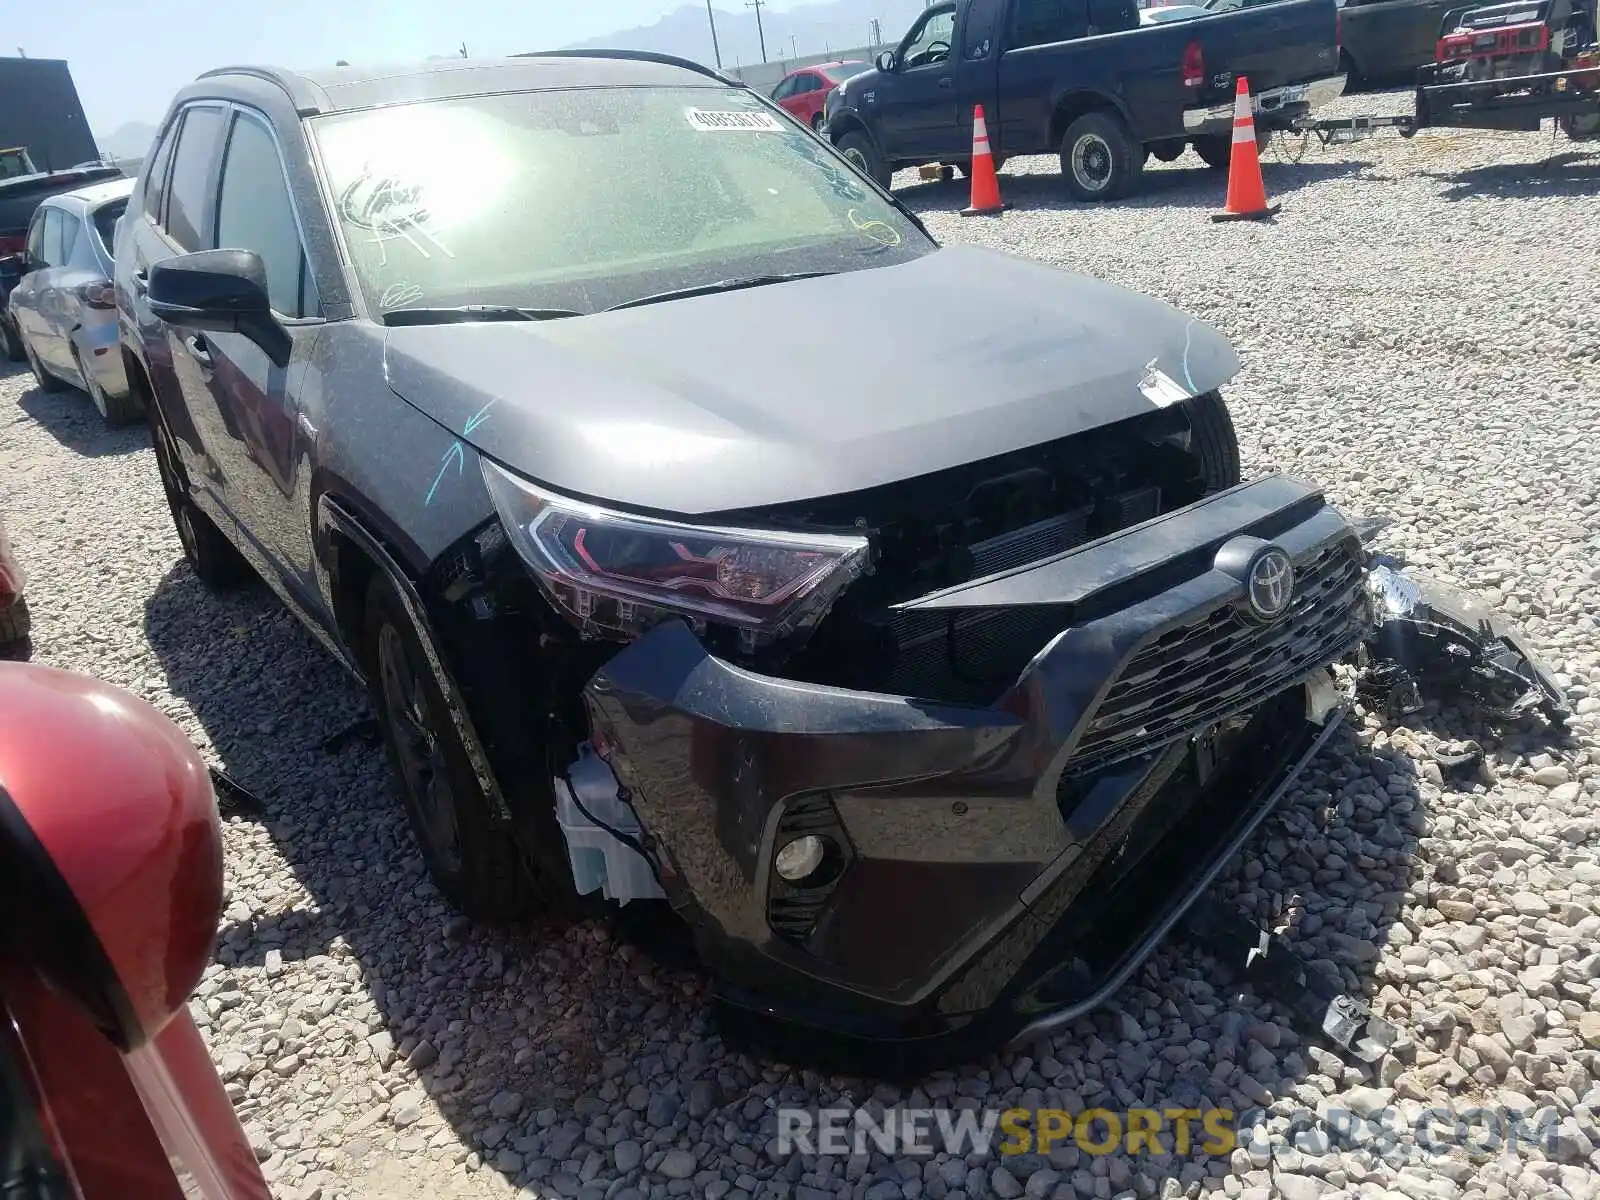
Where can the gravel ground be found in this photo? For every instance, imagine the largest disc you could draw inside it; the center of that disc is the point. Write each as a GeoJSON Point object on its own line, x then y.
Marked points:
{"type": "Point", "coordinates": [1418, 335]}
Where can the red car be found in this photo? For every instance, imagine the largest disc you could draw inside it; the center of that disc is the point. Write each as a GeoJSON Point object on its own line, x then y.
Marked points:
{"type": "Point", "coordinates": [802, 91]}
{"type": "Point", "coordinates": [111, 890]}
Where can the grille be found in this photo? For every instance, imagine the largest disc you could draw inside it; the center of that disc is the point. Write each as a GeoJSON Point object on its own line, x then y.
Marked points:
{"type": "Point", "coordinates": [1222, 665]}
{"type": "Point", "coordinates": [971, 656]}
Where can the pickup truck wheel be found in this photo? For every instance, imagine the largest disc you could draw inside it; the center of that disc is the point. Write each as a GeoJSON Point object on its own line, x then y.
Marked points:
{"type": "Point", "coordinates": [858, 148]}
{"type": "Point", "coordinates": [474, 862]}
{"type": "Point", "coordinates": [1099, 157]}
{"type": "Point", "coordinates": [1216, 443]}
{"type": "Point", "coordinates": [1215, 150]}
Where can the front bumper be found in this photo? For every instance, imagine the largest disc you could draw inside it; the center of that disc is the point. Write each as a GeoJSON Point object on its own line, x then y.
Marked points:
{"type": "Point", "coordinates": [1276, 108]}
{"type": "Point", "coordinates": [992, 866]}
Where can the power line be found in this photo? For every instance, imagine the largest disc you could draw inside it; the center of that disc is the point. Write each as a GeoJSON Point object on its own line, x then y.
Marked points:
{"type": "Point", "coordinates": [758, 5]}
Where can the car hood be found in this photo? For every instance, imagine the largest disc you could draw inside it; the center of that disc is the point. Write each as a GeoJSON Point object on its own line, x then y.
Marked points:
{"type": "Point", "coordinates": [806, 389]}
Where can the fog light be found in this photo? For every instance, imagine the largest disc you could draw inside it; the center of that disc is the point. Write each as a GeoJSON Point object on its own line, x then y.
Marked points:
{"type": "Point", "coordinates": [800, 858]}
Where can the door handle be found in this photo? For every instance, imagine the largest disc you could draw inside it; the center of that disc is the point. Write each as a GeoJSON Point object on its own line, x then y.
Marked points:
{"type": "Point", "coordinates": [945, 81]}
{"type": "Point", "coordinates": [199, 349]}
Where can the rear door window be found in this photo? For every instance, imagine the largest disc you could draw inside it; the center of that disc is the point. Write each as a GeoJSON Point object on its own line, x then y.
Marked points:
{"type": "Point", "coordinates": [193, 173]}
{"type": "Point", "coordinates": [1040, 22]}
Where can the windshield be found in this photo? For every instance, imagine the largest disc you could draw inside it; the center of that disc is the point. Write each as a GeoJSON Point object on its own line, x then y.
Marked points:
{"type": "Point", "coordinates": [587, 199]}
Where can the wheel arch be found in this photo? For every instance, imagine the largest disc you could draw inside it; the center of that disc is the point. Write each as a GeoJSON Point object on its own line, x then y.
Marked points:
{"type": "Point", "coordinates": [350, 555]}
{"type": "Point", "coordinates": [1072, 105]}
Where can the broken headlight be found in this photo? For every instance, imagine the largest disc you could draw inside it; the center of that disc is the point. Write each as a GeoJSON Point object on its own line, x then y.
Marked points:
{"type": "Point", "coordinates": [618, 574]}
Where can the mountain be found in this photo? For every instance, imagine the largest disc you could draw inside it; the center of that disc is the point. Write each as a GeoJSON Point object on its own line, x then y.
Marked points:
{"type": "Point", "coordinates": [131, 140]}
{"type": "Point", "coordinates": [813, 28]}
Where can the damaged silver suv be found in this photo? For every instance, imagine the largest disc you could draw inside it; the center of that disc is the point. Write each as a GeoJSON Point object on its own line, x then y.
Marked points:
{"type": "Point", "coordinates": [712, 539]}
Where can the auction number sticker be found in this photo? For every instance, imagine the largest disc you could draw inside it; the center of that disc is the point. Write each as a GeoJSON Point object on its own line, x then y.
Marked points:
{"type": "Point", "coordinates": [733, 122]}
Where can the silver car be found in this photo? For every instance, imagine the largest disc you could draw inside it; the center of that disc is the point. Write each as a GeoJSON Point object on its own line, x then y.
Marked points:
{"type": "Point", "coordinates": [65, 308]}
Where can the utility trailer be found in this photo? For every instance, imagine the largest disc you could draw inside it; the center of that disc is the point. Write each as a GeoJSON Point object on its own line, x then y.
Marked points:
{"type": "Point", "coordinates": [1505, 66]}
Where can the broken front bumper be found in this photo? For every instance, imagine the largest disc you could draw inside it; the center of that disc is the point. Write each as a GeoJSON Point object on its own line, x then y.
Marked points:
{"type": "Point", "coordinates": [1007, 862]}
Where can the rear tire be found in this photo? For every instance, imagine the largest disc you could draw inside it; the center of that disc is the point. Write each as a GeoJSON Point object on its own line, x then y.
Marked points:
{"type": "Point", "coordinates": [1099, 157]}
{"type": "Point", "coordinates": [214, 559]}
{"type": "Point", "coordinates": [11, 339]}
{"type": "Point", "coordinates": [473, 859]}
{"type": "Point", "coordinates": [117, 410]}
{"type": "Point", "coordinates": [859, 149]}
{"type": "Point", "coordinates": [816, 122]}
{"type": "Point", "coordinates": [42, 379]}
{"type": "Point", "coordinates": [1216, 443]}
{"type": "Point", "coordinates": [1215, 150]}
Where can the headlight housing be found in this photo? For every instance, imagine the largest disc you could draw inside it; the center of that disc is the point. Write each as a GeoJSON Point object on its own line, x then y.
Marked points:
{"type": "Point", "coordinates": [614, 574]}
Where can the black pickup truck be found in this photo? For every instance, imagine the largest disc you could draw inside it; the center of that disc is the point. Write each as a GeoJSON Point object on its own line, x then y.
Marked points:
{"type": "Point", "coordinates": [1082, 78]}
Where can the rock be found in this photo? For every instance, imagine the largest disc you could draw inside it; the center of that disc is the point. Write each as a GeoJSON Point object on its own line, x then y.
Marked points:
{"type": "Point", "coordinates": [423, 1055]}
{"type": "Point", "coordinates": [1589, 1028]}
{"type": "Point", "coordinates": [627, 1155]}
{"type": "Point", "coordinates": [1300, 1187]}
{"type": "Point", "coordinates": [505, 1105]}
{"type": "Point", "coordinates": [1549, 777]}
{"type": "Point", "coordinates": [678, 1164]}
{"type": "Point", "coordinates": [1004, 1184]}
{"type": "Point", "coordinates": [1457, 910]}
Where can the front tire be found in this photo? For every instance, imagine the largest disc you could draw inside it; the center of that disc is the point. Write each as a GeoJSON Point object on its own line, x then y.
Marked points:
{"type": "Point", "coordinates": [474, 860]}
{"type": "Point", "coordinates": [1215, 441]}
{"type": "Point", "coordinates": [214, 559]}
{"type": "Point", "coordinates": [1099, 157]}
{"type": "Point", "coordinates": [859, 149]}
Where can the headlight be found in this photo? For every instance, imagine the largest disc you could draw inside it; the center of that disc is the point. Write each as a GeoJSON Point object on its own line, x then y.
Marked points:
{"type": "Point", "coordinates": [614, 573]}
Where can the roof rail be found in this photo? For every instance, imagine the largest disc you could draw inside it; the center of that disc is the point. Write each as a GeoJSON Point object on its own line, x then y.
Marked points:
{"type": "Point", "coordinates": [304, 98]}
{"type": "Point", "coordinates": [666, 60]}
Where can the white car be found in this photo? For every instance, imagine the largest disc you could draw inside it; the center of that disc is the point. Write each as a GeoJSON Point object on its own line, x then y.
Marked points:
{"type": "Point", "coordinates": [1171, 12]}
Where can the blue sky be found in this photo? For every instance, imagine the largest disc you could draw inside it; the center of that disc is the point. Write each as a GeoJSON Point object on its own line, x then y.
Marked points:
{"type": "Point", "coordinates": [129, 56]}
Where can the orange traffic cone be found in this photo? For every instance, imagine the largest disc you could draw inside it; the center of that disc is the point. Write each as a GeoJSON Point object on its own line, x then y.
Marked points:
{"type": "Point", "coordinates": [985, 186]}
{"type": "Point", "coordinates": [1247, 195]}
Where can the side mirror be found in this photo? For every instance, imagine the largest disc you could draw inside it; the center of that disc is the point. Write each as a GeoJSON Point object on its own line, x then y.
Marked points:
{"type": "Point", "coordinates": [221, 291]}
{"type": "Point", "coordinates": [110, 850]}
{"type": "Point", "coordinates": [886, 62]}
{"type": "Point", "coordinates": [15, 266]}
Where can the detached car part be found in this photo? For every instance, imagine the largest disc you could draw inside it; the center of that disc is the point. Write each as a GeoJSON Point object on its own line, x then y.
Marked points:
{"type": "Point", "coordinates": [1431, 634]}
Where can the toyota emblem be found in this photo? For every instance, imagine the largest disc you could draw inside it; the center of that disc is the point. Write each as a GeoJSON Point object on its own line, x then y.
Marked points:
{"type": "Point", "coordinates": [1270, 586]}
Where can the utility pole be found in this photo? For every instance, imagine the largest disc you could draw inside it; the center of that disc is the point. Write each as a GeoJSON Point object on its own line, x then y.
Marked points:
{"type": "Point", "coordinates": [758, 5]}
{"type": "Point", "coordinates": [463, 49]}
{"type": "Point", "coordinates": [877, 33]}
{"type": "Point", "coordinates": [794, 50]}
{"type": "Point", "coordinates": [715, 49]}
